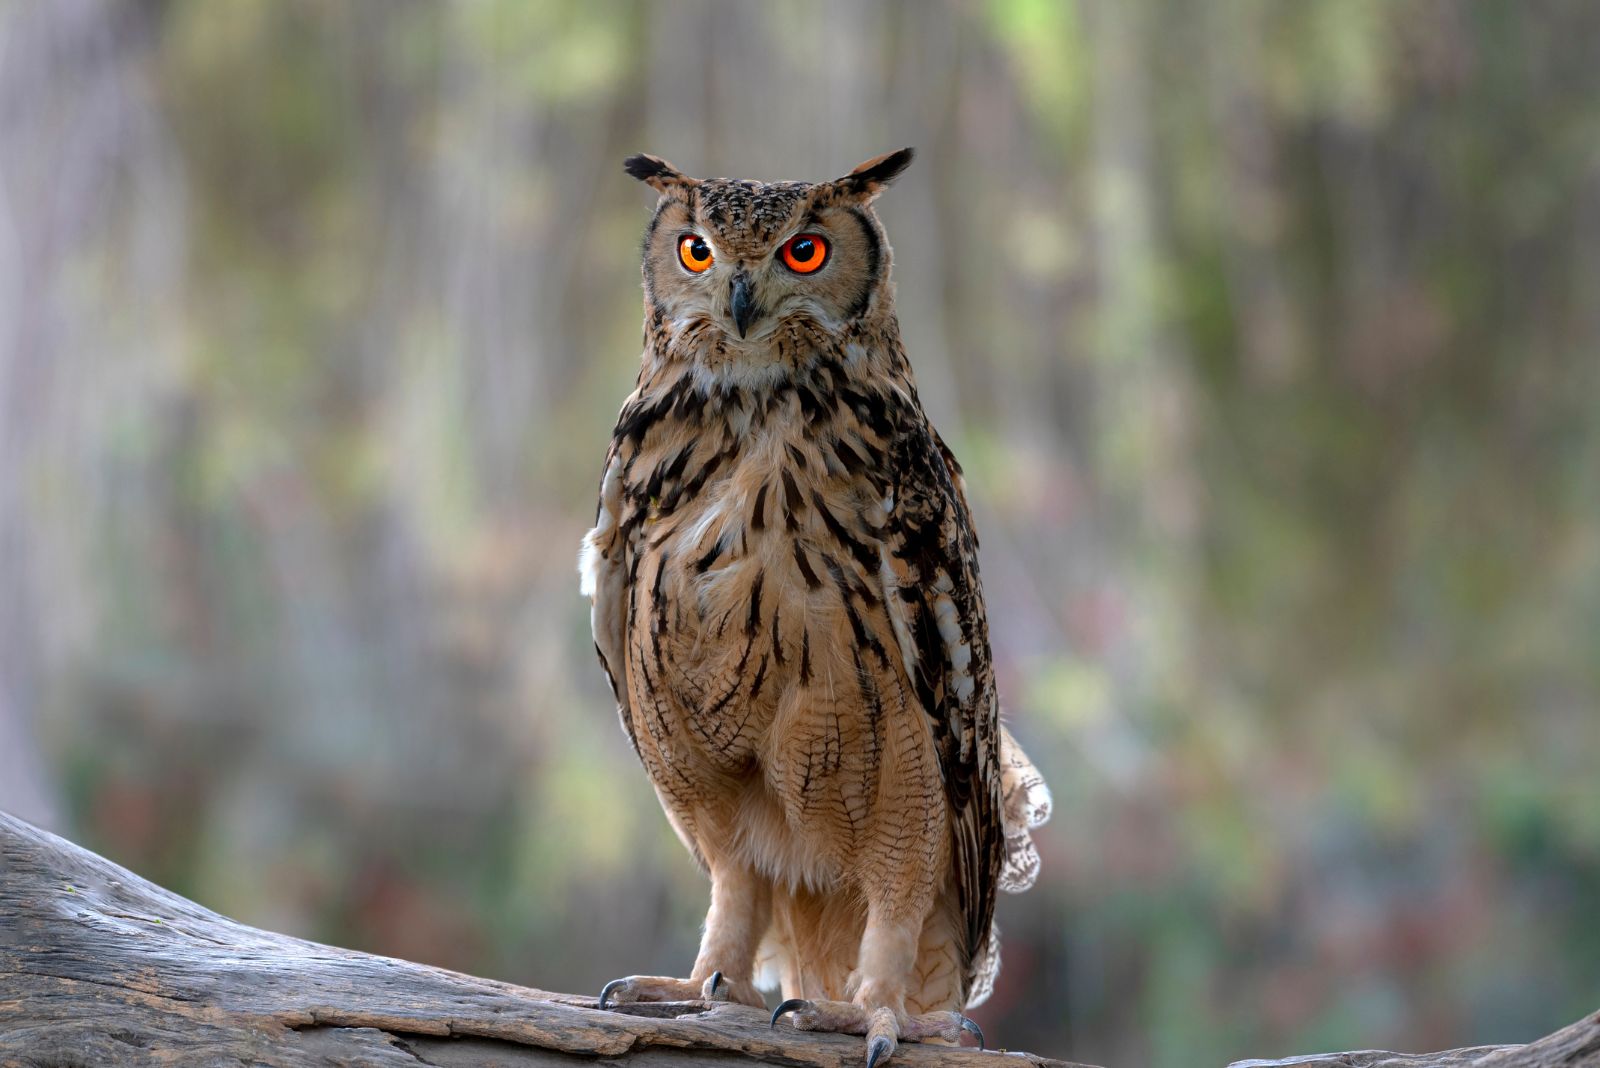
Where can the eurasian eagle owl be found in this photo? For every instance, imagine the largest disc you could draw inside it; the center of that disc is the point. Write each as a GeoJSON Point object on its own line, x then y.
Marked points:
{"type": "Point", "coordinates": [785, 590]}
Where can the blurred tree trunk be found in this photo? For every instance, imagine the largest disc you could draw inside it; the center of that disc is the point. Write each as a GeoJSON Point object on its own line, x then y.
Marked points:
{"type": "Point", "coordinates": [83, 154]}
{"type": "Point", "coordinates": [25, 787]}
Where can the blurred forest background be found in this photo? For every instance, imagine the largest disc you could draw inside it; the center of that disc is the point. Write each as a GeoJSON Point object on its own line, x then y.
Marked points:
{"type": "Point", "coordinates": [1269, 334]}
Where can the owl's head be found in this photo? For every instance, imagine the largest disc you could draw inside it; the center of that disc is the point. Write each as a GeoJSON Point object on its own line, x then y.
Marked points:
{"type": "Point", "coordinates": [730, 262]}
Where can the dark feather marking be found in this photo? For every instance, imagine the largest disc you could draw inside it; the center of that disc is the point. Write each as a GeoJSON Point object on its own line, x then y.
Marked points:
{"type": "Point", "coordinates": [868, 685]}
{"type": "Point", "coordinates": [791, 494]}
{"type": "Point", "coordinates": [697, 481]}
{"type": "Point", "coordinates": [931, 671]}
{"type": "Point", "coordinates": [733, 688]}
{"type": "Point", "coordinates": [804, 564]}
{"type": "Point", "coordinates": [753, 624]}
{"type": "Point", "coordinates": [662, 724]}
{"type": "Point", "coordinates": [659, 603]}
{"type": "Point", "coordinates": [631, 522]}
{"type": "Point", "coordinates": [830, 368]}
{"type": "Point", "coordinates": [635, 422]}
{"type": "Point", "coordinates": [851, 460]}
{"type": "Point", "coordinates": [605, 665]}
{"type": "Point", "coordinates": [805, 657]}
{"type": "Point", "coordinates": [869, 234]}
{"type": "Point", "coordinates": [689, 405]}
{"type": "Point", "coordinates": [750, 705]}
{"type": "Point", "coordinates": [680, 460]}
{"type": "Point", "coordinates": [755, 684]}
{"type": "Point", "coordinates": [876, 415]}
{"type": "Point", "coordinates": [758, 518]}
{"type": "Point", "coordinates": [703, 564]}
{"type": "Point", "coordinates": [805, 778]}
{"type": "Point", "coordinates": [810, 406]}
{"type": "Point", "coordinates": [858, 627]}
{"type": "Point", "coordinates": [777, 640]}
{"type": "Point", "coordinates": [863, 553]}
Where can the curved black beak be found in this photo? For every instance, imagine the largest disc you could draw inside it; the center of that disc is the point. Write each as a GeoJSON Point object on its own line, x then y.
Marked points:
{"type": "Point", "coordinates": [741, 302]}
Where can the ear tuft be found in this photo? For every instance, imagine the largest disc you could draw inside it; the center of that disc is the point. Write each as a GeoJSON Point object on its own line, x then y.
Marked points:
{"type": "Point", "coordinates": [655, 172]}
{"type": "Point", "coordinates": [869, 179]}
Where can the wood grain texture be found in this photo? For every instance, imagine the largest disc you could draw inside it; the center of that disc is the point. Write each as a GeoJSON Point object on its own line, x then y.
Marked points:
{"type": "Point", "coordinates": [101, 967]}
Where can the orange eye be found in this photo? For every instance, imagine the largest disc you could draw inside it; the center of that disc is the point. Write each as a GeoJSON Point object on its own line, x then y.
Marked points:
{"type": "Point", "coordinates": [694, 252]}
{"type": "Point", "coordinates": [804, 253]}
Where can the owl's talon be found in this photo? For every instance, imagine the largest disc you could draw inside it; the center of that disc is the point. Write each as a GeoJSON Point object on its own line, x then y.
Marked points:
{"type": "Point", "coordinates": [605, 992]}
{"type": "Point", "coordinates": [658, 988]}
{"type": "Point", "coordinates": [885, 1029]}
{"type": "Point", "coordinates": [792, 1005]}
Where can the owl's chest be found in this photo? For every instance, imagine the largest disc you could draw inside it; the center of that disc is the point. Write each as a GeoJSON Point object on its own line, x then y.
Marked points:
{"type": "Point", "coordinates": [744, 593]}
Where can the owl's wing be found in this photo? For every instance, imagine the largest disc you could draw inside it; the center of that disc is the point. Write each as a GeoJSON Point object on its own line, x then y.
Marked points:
{"type": "Point", "coordinates": [933, 555]}
{"type": "Point", "coordinates": [604, 582]}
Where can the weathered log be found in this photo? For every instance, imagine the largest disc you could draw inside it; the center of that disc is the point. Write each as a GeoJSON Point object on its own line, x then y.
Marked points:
{"type": "Point", "coordinates": [101, 967]}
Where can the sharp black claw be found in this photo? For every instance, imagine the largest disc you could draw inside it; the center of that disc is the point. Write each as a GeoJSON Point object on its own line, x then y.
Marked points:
{"type": "Point", "coordinates": [716, 981]}
{"type": "Point", "coordinates": [792, 1005]}
{"type": "Point", "coordinates": [605, 994]}
{"type": "Point", "coordinates": [977, 1032]}
{"type": "Point", "coordinates": [877, 1051]}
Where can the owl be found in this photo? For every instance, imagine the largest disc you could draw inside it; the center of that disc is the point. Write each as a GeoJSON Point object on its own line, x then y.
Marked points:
{"type": "Point", "coordinates": [784, 580]}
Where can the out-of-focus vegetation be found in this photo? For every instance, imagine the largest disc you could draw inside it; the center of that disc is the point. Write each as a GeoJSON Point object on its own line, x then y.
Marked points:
{"type": "Point", "coordinates": [1269, 333]}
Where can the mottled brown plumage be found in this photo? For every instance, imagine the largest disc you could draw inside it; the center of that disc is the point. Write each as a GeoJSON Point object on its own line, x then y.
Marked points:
{"type": "Point", "coordinates": [787, 602]}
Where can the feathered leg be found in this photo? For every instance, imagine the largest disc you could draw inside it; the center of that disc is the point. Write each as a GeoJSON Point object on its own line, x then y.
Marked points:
{"type": "Point", "coordinates": [741, 906]}
{"type": "Point", "coordinates": [889, 955]}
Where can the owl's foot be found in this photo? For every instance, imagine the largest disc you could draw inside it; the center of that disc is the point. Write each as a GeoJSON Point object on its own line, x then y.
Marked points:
{"type": "Point", "coordinates": [883, 1027]}
{"type": "Point", "coordinates": [716, 987]}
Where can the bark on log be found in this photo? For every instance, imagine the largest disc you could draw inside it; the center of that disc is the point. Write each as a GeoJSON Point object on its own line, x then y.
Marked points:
{"type": "Point", "coordinates": [100, 967]}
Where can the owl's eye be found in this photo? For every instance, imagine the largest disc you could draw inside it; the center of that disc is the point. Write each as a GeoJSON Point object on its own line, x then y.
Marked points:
{"type": "Point", "coordinates": [694, 252]}
{"type": "Point", "coordinates": [804, 253]}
